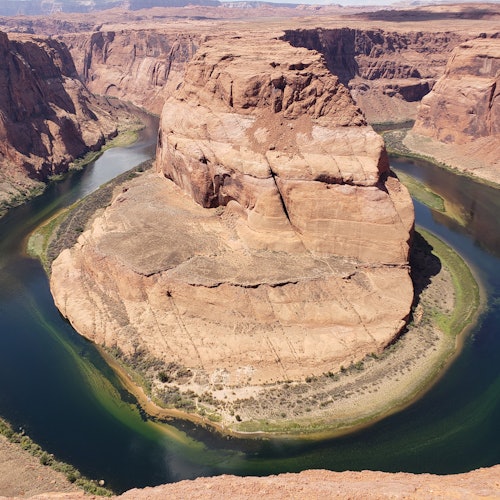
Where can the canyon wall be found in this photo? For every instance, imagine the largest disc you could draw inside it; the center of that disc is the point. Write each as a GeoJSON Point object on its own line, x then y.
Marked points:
{"type": "Point", "coordinates": [47, 116]}
{"type": "Point", "coordinates": [272, 244]}
{"type": "Point", "coordinates": [388, 73]}
{"type": "Point", "coordinates": [459, 121]}
{"type": "Point", "coordinates": [143, 66]}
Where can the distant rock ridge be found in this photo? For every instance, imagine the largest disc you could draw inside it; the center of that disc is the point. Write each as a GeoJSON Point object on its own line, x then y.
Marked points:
{"type": "Point", "coordinates": [274, 246]}
{"type": "Point", "coordinates": [459, 121]}
{"type": "Point", "coordinates": [388, 73]}
{"type": "Point", "coordinates": [47, 116]}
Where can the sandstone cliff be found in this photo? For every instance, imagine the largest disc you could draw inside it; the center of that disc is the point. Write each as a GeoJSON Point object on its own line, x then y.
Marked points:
{"type": "Point", "coordinates": [47, 116]}
{"type": "Point", "coordinates": [459, 121]}
{"type": "Point", "coordinates": [388, 73]}
{"type": "Point", "coordinates": [139, 65]}
{"type": "Point", "coordinates": [279, 250]}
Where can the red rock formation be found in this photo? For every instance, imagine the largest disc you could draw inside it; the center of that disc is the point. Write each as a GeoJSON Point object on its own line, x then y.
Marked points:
{"type": "Point", "coordinates": [246, 127]}
{"type": "Point", "coordinates": [280, 249]}
{"type": "Point", "coordinates": [47, 116]}
{"type": "Point", "coordinates": [388, 72]}
{"type": "Point", "coordinates": [141, 66]}
{"type": "Point", "coordinates": [459, 121]}
{"type": "Point", "coordinates": [465, 103]}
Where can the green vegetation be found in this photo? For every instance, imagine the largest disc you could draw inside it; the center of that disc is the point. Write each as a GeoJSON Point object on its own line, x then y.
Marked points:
{"type": "Point", "coordinates": [62, 230]}
{"type": "Point", "coordinates": [20, 197]}
{"type": "Point", "coordinates": [124, 138]}
{"type": "Point", "coordinates": [421, 192]}
{"type": "Point", "coordinates": [47, 459]}
{"type": "Point", "coordinates": [467, 296]}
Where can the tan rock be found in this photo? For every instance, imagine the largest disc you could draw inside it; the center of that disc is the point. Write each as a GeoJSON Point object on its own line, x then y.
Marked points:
{"type": "Point", "coordinates": [271, 138]}
{"type": "Point", "coordinates": [279, 250]}
{"type": "Point", "coordinates": [459, 121]}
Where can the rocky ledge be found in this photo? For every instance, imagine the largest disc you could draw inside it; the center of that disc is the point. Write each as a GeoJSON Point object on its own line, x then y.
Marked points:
{"type": "Point", "coordinates": [272, 245]}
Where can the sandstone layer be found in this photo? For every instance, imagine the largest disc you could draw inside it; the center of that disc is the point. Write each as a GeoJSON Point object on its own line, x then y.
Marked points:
{"type": "Point", "coordinates": [143, 66]}
{"type": "Point", "coordinates": [459, 121]}
{"type": "Point", "coordinates": [47, 116]}
{"type": "Point", "coordinates": [387, 72]}
{"type": "Point", "coordinates": [274, 245]}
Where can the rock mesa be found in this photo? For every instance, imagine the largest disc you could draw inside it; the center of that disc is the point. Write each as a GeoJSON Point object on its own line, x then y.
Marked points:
{"type": "Point", "coordinates": [272, 243]}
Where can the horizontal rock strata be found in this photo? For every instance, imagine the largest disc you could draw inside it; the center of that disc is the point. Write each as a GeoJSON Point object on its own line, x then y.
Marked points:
{"type": "Point", "coordinates": [273, 246]}
{"type": "Point", "coordinates": [47, 116]}
{"type": "Point", "coordinates": [388, 73]}
{"type": "Point", "coordinates": [459, 121]}
{"type": "Point", "coordinates": [143, 66]}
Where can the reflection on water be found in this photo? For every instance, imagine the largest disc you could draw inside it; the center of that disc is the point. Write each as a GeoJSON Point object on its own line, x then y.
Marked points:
{"type": "Point", "coordinates": [57, 387]}
{"type": "Point", "coordinates": [474, 207]}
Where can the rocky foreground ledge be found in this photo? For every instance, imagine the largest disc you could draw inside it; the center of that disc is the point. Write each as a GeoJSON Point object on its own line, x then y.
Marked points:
{"type": "Point", "coordinates": [316, 484]}
{"type": "Point", "coordinates": [272, 246]}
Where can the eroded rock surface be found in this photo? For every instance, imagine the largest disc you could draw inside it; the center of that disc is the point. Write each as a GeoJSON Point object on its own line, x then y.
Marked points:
{"type": "Point", "coordinates": [459, 121]}
{"type": "Point", "coordinates": [387, 72]}
{"type": "Point", "coordinates": [274, 244]}
{"type": "Point", "coordinates": [47, 116]}
{"type": "Point", "coordinates": [143, 66]}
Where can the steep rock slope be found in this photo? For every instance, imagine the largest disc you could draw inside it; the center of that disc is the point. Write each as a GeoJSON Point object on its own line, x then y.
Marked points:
{"type": "Point", "coordinates": [139, 65]}
{"type": "Point", "coordinates": [278, 251]}
{"type": "Point", "coordinates": [461, 116]}
{"type": "Point", "coordinates": [47, 116]}
{"type": "Point", "coordinates": [388, 73]}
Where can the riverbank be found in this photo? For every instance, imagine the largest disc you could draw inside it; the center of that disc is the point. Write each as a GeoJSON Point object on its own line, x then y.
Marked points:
{"type": "Point", "coordinates": [459, 159]}
{"type": "Point", "coordinates": [27, 470]}
{"type": "Point", "coordinates": [320, 406]}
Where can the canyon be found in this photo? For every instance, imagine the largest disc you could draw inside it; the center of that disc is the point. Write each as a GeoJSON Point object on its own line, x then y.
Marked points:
{"type": "Point", "coordinates": [458, 122]}
{"type": "Point", "coordinates": [216, 265]}
{"type": "Point", "coordinates": [47, 116]}
{"type": "Point", "coordinates": [388, 67]}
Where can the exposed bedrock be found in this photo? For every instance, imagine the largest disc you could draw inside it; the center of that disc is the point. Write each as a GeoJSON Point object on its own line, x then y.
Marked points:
{"type": "Point", "coordinates": [459, 121]}
{"type": "Point", "coordinates": [47, 116]}
{"type": "Point", "coordinates": [273, 246]}
{"type": "Point", "coordinates": [388, 73]}
{"type": "Point", "coordinates": [143, 66]}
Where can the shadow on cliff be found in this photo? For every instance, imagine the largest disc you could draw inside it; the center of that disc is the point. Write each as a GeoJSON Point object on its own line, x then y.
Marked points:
{"type": "Point", "coordinates": [424, 265]}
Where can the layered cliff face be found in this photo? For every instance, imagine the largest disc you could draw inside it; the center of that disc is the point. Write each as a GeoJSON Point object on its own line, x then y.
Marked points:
{"type": "Point", "coordinates": [273, 246]}
{"type": "Point", "coordinates": [141, 66]}
{"type": "Point", "coordinates": [47, 116]}
{"type": "Point", "coordinates": [388, 73]}
{"type": "Point", "coordinates": [461, 116]}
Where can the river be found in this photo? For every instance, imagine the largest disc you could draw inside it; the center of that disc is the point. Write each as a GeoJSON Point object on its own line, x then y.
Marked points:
{"type": "Point", "coordinates": [58, 389]}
